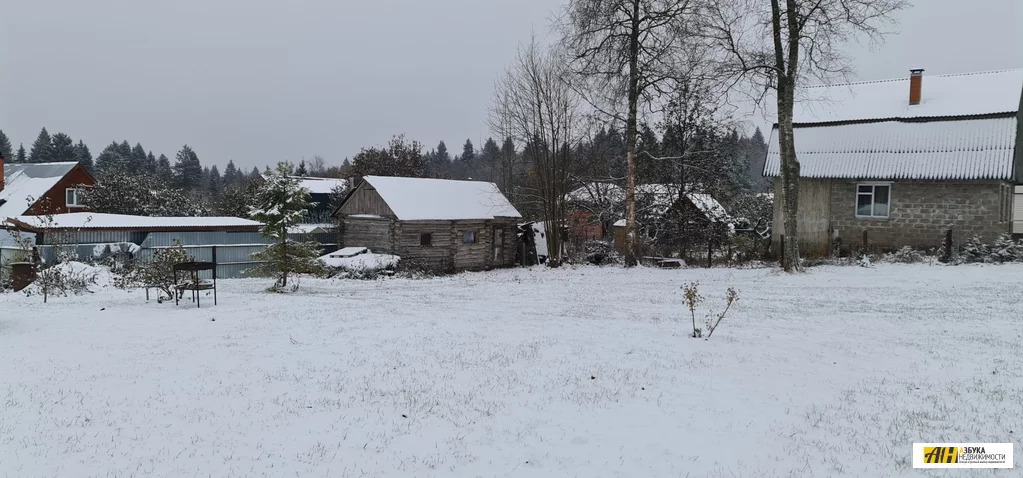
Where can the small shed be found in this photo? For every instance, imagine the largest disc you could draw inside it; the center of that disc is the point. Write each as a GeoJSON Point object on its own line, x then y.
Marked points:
{"type": "Point", "coordinates": [441, 224]}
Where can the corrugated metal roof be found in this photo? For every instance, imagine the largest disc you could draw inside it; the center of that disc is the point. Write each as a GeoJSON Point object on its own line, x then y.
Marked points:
{"type": "Point", "coordinates": [963, 149]}
{"type": "Point", "coordinates": [964, 94]}
{"type": "Point", "coordinates": [94, 220]}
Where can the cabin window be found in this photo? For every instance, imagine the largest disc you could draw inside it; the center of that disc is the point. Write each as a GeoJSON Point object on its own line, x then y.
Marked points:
{"type": "Point", "coordinates": [426, 239]}
{"type": "Point", "coordinates": [873, 200]}
{"type": "Point", "coordinates": [469, 237]}
{"type": "Point", "coordinates": [74, 196]}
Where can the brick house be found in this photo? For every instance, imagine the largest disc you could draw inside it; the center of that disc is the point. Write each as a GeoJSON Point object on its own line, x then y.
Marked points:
{"type": "Point", "coordinates": [901, 162]}
{"type": "Point", "coordinates": [42, 188]}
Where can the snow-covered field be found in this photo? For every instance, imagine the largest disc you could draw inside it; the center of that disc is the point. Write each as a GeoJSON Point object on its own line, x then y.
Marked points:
{"type": "Point", "coordinates": [523, 372]}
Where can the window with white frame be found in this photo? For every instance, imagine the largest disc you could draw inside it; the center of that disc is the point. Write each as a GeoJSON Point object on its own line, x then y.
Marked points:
{"type": "Point", "coordinates": [873, 199]}
{"type": "Point", "coordinates": [74, 197]}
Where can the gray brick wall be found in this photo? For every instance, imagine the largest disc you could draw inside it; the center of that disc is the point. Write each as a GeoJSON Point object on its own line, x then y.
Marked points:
{"type": "Point", "coordinates": [920, 214]}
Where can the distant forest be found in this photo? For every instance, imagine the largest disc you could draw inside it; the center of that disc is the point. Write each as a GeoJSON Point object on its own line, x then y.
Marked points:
{"type": "Point", "coordinates": [134, 180]}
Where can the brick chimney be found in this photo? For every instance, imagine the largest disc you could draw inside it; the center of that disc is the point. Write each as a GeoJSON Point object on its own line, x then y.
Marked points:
{"type": "Point", "coordinates": [916, 80]}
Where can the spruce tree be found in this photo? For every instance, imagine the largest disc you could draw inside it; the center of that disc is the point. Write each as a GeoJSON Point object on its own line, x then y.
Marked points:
{"type": "Point", "coordinates": [137, 160]}
{"type": "Point", "coordinates": [110, 159]}
{"type": "Point", "coordinates": [163, 170]}
{"type": "Point", "coordinates": [42, 149]}
{"type": "Point", "coordinates": [150, 165]}
{"type": "Point", "coordinates": [281, 203]}
{"type": "Point", "coordinates": [302, 171]}
{"type": "Point", "coordinates": [489, 160]}
{"type": "Point", "coordinates": [6, 148]}
{"type": "Point", "coordinates": [187, 169]}
{"type": "Point", "coordinates": [83, 156]}
{"type": "Point", "coordinates": [230, 175]}
{"type": "Point", "coordinates": [62, 148]}
{"type": "Point", "coordinates": [213, 184]}
{"type": "Point", "coordinates": [21, 157]}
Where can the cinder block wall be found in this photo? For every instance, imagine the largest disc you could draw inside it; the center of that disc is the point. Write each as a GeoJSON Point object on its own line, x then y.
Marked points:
{"type": "Point", "coordinates": [921, 212]}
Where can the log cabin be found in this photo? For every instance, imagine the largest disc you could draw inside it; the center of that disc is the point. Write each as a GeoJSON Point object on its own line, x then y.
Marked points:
{"type": "Point", "coordinates": [440, 224]}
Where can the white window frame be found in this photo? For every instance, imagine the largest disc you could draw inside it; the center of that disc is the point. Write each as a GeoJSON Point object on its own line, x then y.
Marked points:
{"type": "Point", "coordinates": [77, 194]}
{"type": "Point", "coordinates": [873, 185]}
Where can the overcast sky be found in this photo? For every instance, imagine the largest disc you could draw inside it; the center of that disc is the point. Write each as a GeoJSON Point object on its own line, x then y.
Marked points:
{"type": "Point", "coordinates": [258, 81]}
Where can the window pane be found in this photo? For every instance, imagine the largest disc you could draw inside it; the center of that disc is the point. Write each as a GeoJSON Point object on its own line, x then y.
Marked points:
{"type": "Point", "coordinates": [866, 189]}
{"type": "Point", "coordinates": [70, 196]}
{"type": "Point", "coordinates": [469, 237]}
{"type": "Point", "coordinates": [881, 201]}
{"type": "Point", "coordinates": [426, 239]}
{"type": "Point", "coordinates": [863, 204]}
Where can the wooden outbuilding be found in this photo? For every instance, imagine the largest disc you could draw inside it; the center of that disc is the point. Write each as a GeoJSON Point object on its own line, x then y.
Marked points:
{"type": "Point", "coordinates": [443, 225]}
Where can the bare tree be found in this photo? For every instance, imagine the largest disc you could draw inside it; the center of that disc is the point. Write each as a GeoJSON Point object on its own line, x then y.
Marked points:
{"type": "Point", "coordinates": [626, 50]}
{"type": "Point", "coordinates": [534, 105]}
{"type": "Point", "coordinates": [806, 39]}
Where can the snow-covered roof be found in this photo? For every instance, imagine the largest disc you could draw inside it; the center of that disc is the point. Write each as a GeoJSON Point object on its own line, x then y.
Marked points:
{"type": "Point", "coordinates": [321, 185]}
{"type": "Point", "coordinates": [964, 149]}
{"type": "Point", "coordinates": [414, 199]}
{"type": "Point", "coordinates": [310, 228]}
{"type": "Point", "coordinates": [596, 192]}
{"type": "Point", "coordinates": [24, 180]}
{"type": "Point", "coordinates": [92, 220]}
{"type": "Point", "coordinates": [963, 94]}
{"type": "Point", "coordinates": [662, 196]}
{"type": "Point", "coordinates": [964, 128]}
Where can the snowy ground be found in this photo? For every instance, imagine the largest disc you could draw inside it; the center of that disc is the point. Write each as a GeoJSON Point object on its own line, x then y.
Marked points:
{"type": "Point", "coordinates": [524, 372]}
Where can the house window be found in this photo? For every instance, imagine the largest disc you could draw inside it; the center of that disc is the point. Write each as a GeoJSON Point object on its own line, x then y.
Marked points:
{"type": "Point", "coordinates": [74, 197]}
{"type": "Point", "coordinates": [873, 200]}
{"type": "Point", "coordinates": [426, 239]}
{"type": "Point", "coordinates": [469, 237]}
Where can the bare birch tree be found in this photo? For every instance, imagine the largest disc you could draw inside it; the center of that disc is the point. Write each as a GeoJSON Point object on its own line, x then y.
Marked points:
{"type": "Point", "coordinates": [535, 106]}
{"type": "Point", "coordinates": [626, 51]}
{"type": "Point", "coordinates": [776, 46]}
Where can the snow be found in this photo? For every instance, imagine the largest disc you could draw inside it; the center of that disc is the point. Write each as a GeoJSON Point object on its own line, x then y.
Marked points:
{"type": "Point", "coordinates": [100, 250]}
{"type": "Point", "coordinates": [964, 149]}
{"type": "Point", "coordinates": [321, 185]}
{"type": "Point", "coordinates": [93, 220]}
{"type": "Point", "coordinates": [22, 181]}
{"type": "Point", "coordinates": [310, 228]}
{"type": "Point", "coordinates": [941, 95]}
{"type": "Point", "coordinates": [596, 193]}
{"type": "Point", "coordinates": [364, 260]}
{"type": "Point", "coordinates": [520, 372]}
{"type": "Point", "coordinates": [414, 199]}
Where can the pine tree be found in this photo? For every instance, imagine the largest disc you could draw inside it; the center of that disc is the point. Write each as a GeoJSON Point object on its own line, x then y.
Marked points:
{"type": "Point", "coordinates": [42, 149]}
{"type": "Point", "coordinates": [468, 160]}
{"type": "Point", "coordinates": [282, 203]}
{"type": "Point", "coordinates": [21, 157]}
{"type": "Point", "coordinates": [83, 156]}
{"type": "Point", "coordinates": [163, 170]}
{"type": "Point", "coordinates": [62, 148]}
{"type": "Point", "coordinates": [187, 169]}
{"type": "Point", "coordinates": [302, 171]}
{"type": "Point", "coordinates": [6, 148]}
{"type": "Point", "coordinates": [254, 174]}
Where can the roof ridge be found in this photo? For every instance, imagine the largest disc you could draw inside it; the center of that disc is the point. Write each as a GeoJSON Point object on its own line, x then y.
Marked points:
{"type": "Point", "coordinates": [891, 80]}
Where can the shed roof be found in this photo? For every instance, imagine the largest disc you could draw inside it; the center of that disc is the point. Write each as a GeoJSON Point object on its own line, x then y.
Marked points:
{"type": "Point", "coordinates": [424, 199]}
{"type": "Point", "coordinates": [29, 180]}
{"type": "Point", "coordinates": [965, 128]}
{"type": "Point", "coordinates": [92, 220]}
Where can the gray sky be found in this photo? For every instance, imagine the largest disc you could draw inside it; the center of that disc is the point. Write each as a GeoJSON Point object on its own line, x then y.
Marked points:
{"type": "Point", "coordinates": [258, 81]}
